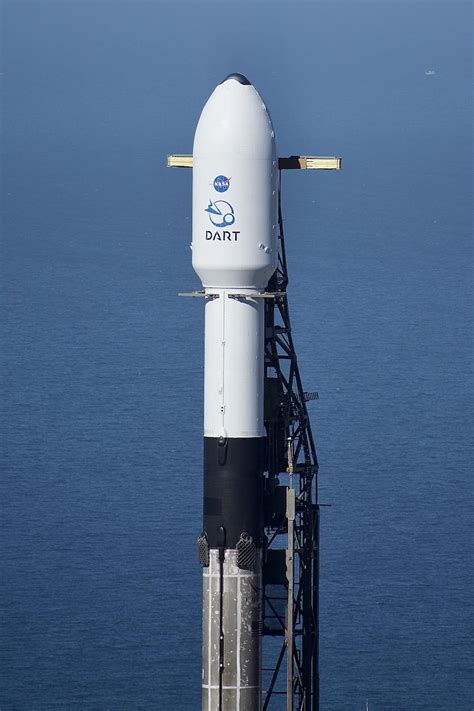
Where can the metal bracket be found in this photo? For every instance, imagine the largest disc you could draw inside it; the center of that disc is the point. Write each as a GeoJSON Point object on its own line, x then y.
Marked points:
{"type": "Point", "coordinates": [251, 295]}
{"type": "Point", "coordinates": [199, 294]}
{"type": "Point", "coordinates": [259, 295]}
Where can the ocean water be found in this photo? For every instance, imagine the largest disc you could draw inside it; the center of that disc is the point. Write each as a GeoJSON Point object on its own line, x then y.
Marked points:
{"type": "Point", "coordinates": [102, 363]}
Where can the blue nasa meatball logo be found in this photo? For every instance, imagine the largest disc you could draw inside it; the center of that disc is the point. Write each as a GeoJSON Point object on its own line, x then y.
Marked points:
{"type": "Point", "coordinates": [221, 183]}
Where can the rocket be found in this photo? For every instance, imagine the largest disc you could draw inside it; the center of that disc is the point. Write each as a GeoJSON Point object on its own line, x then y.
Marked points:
{"type": "Point", "coordinates": [234, 253]}
{"type": "Point", "coordinates": [260, 461]}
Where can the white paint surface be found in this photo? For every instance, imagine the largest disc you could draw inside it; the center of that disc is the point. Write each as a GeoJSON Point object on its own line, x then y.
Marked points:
{"type": "Point", "coordinates": [235, 139]}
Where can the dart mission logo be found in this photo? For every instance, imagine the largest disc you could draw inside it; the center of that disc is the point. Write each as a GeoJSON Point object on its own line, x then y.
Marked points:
{"type": "Point", "coordinates": [221, 183]}
{"type": "Point", "coordinates": [221, 214]}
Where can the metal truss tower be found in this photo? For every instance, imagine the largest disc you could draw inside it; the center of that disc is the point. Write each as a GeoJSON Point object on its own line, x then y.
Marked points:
{"type": "Point", "coordinates": [291, 569]}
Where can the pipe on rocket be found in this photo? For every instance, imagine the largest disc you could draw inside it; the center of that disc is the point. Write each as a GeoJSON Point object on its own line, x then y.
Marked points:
{"type": "Point", "coordinates": [235, 252]}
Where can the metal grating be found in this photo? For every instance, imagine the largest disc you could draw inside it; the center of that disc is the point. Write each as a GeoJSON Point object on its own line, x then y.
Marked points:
{"type": "Point", "coordinates": [246, 551]}
{"type": "Point", "coordinates": [203, 550]}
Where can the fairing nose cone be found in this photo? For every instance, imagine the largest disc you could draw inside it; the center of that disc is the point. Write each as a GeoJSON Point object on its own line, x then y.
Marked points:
{"type": "Point", "coordinates": [237, 77]}
{"type": "Point", "coordinates": [235, 191]}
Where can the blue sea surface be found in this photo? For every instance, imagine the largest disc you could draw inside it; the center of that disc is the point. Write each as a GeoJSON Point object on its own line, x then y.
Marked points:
{"type": "Point", "coordinates": [102, 363]}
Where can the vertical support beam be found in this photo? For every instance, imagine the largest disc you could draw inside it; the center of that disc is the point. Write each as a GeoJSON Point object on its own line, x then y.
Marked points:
{"type": "Point", "coordinates": [308, 590]}
{"type": "Point", "coordinates": [289, 632]}
{"type": "Point", "coordinates": [316, 562]}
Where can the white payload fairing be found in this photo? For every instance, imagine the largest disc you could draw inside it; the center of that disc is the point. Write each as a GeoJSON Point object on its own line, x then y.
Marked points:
{"type": "Point", "coordinates": [235, 252]}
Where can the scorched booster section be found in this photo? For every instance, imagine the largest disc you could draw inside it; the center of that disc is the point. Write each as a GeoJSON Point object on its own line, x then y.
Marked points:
{"type": "Point", "coordinates": [235, 252]}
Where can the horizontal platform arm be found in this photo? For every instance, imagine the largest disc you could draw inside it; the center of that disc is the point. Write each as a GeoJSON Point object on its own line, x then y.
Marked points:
{"type": "Point", "coordinates": [291, 163]}
{"type": "Point", "coordinates": [199, 294]}
{"type": "Point", "coordinates": [179, 161]}
{"type": "Point", "coordinates": [310, 163]}
{"type": "Point", "coordinates": [233, 295]}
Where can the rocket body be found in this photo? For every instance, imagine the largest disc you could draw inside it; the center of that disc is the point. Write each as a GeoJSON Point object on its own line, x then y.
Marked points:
{"type": "Point", "coordinates": [235, 252]}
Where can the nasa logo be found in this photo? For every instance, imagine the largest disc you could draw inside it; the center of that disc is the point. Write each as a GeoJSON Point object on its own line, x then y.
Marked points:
{"type": "Point", "coordinates": [221, 183]}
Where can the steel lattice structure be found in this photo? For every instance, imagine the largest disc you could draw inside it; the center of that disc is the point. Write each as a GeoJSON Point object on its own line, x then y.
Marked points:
{"type": "Point", "coordinates": [291, 572]}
